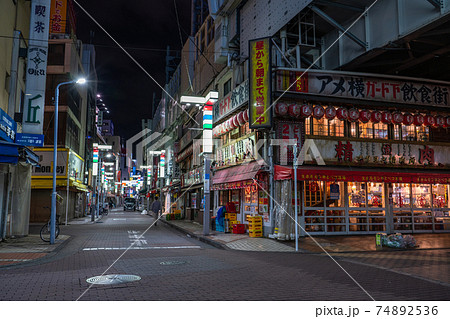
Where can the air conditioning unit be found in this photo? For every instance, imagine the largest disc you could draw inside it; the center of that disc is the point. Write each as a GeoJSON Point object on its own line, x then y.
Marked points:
{"type": "Point", "coordinates": [221, 41]}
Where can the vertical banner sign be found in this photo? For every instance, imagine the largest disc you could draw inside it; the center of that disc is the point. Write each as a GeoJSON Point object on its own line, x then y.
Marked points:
{"type": "Point", "coordinates": [95, 162]}
{"type": "Point", "coordinates": [58, 16]}
{"type": "Point", "coordinates": [162, 163]}
{"type": "Point", "coordinates": [33, 118]}
{"type": "Point", "coordinates": [207, 127]}
{"type": "Point", "coordinates": [149, 175]}
{"type": "Point", "coordinates": [260, 90]}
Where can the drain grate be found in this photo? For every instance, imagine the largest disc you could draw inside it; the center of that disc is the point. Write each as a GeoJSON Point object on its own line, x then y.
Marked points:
{"type": "Point", "coordinates": [112, 279]}
{"type": "Point", "coordinates": [167, 263]}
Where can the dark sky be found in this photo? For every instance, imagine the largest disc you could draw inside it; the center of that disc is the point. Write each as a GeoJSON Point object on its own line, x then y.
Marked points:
{"type": "Point", "coordinates": [144, 28]}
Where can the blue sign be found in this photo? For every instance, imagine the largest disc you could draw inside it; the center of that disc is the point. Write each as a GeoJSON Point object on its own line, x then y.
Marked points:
{"type": "Point", "coordinates": [30, 139]}
{"type": "Point", "coordinates": [334, 191]}
{"type": "Point", "coordinates": [8, 127]}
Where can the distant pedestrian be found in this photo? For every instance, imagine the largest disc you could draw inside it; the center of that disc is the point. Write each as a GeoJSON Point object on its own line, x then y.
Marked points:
{"type": "Point", "coordinates": [156, 208]}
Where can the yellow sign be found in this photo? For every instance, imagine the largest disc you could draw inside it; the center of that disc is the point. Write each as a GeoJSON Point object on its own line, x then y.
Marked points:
{"type": "Point", "coordinates": [58, 16]}
{"type": "Point", "coordinates": [260, 114]}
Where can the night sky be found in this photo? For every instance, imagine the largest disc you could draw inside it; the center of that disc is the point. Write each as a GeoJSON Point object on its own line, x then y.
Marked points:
{"type": "Point", "coordinates": [144, 28]}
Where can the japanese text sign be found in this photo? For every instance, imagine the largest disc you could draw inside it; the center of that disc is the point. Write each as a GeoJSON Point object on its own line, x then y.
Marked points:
{"type": "Point", "coordinates": [365, 87]}
{"type": "Point", "coordinates": [7, 127]}
{"type": "Point", "coordinates": [58, 15]}
{"type": "Point", "coordinates": [232, 101]}
{"type": "Point", "coordinates": [260, 115]}
{"type": "Point", "coordinates": [36, 71]}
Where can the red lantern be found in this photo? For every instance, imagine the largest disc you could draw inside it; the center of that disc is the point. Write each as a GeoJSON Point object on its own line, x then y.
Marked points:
{"type": "Point", "coordinates": [342, 113]}
{"type": "Point", "coordinates": [408, 119]}
{"type": "Point", "coordinates": [386, 117]}
{"type": "Point", "coordinates": [318, 111]}
{"type": "Point", "coordinates": [447, 121]}
{"type": "Point", "coordinates": [241, 120]}
{"type": "Point", "coordinates": [418, 119]}
{"type": "Point", "coordinates": [440, 121]}
{"type": "Point", "coordinates": [364, 116]}
{"type": "Point", "coordinates": [429, 120]}
{"type": "Point", "coordinates": [235, 121]}
{"type": "Point", "coordinates": [397, 118]}
{"type": "Point", "coordinates": [246, 115]}
{"type": "Point", "coordinates": [330, 113]}
{"type": "Point", "coordinates": [294, 110]}
{"type": "Point", "coordinates": [353, 115]}
{"type": "Point", "coordinates": [306, 110]}
{"type": "Point", "coordinates": [375, 116]}
{"type": "Point", "coordinates": [281, 109]}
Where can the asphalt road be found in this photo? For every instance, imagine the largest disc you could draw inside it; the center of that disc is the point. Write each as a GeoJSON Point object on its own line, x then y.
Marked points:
{"type": "Point", "coordinates": [173, 266]}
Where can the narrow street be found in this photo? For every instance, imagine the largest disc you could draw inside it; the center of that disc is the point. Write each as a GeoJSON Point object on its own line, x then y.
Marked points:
{"type": "Point", "coordinates": [173, 266]}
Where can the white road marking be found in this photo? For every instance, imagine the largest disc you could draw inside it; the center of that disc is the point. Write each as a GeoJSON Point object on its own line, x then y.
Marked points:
{"type": "Point", "coordinates": [138, 248]}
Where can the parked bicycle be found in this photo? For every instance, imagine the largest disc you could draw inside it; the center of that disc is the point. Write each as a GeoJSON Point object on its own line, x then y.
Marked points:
{"type": "Point", "coordinates": [46, 229]}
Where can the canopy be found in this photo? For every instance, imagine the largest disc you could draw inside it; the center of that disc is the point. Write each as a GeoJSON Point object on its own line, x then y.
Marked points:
{"type": "Point", "coordinates": [237, 173]}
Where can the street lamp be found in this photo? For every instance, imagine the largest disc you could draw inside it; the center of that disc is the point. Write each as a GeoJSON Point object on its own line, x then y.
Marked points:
{"type": "Point", "coordinates": [55, 152]}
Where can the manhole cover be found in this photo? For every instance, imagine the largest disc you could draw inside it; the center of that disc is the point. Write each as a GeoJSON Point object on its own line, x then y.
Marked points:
{"type": "Point", "coordinates": [166, 263]}
{"type": "Point", "coordinates": [112, 279]}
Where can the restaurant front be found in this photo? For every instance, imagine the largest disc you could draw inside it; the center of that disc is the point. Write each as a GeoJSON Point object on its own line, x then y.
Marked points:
{"type": "Point", "coordinates": [374, 153]}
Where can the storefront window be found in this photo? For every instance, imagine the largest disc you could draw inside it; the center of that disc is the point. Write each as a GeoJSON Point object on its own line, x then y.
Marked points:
{"type": "Point", "coordinates": [375, 195]}
{"type": "Point", "coordinates": [308, 126]}
{"type": "Point", "coordinates": [235, 199]}
{"type": "Point", "coordinates": [356, 194]}
{"type": "Point", "coordinates": [377, 221]}
{"type": "Point", "coordinates": [440, 196]}
{"type": "Point", "coordinates": [423, 133]}
{"type": "Point", "coordinates": [335, 220]}
{"type": "Point", "coordinates": [314, 221]}
{"type": "Point", "coordinates": [380, 130]}
{"type": "Point", "coordinates": [366, 130]}
{"type": "Point", "coordinates": [401, 195]}
{"type": "Point", "coordinates": [421, 195]}
{"type": "Point", "coordinates": [357, 220]}
{"type": "Point", "coordinates": [353, 129]}
{"type": "Point", "coordinates": [250, 200]}
{"type": "Point", "coordinates": [320, 126]}
{"type": "Point", "coordinates": [336, 127]}
{"type": "Point", "coordinates": [335, 194]}
{"type": "Point", "coordinates": [313, 194]}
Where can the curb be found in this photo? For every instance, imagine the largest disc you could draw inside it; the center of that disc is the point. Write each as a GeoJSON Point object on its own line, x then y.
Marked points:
{"type": "Point", "coordinates": [199, 238]}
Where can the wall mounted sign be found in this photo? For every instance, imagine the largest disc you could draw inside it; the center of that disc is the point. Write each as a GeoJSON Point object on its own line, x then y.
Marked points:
{"type": "Point", "coordinates": [58, 16]}
{"type": "Point", "coordinates": [237, 151]}
{"type": "Point", "coordinates": [365, 87]}
{"type": "Point", "coordinates": [36, 73]}
{"type": "Point", "coordinates": [8, 127]}
{"type": "Point", "coordinates": [260, 91]}
{"type": "Point", "coordinates": [35, 140]}
{"type": "Point", "coordinates": [231, 102]}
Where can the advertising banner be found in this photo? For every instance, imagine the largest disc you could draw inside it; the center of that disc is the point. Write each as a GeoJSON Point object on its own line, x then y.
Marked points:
{"type": "Point", "coordinates": [58, 16]}
{"type": "Point", "coordinates": [33, 118]}
{"type": "Point", "coordinates": [260, 93]}
{"type": "Point", "coordinates": [7, 127]}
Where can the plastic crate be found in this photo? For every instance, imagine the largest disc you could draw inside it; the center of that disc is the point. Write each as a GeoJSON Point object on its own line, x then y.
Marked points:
{"type": "Point", "coordinates": [255, 228]}
{"type": "Point", "coordinates": [231, 216]}
{"type": "Point", "coordinates": [239, 229]}
{"type": "Point", "coordinates": [256, 233]}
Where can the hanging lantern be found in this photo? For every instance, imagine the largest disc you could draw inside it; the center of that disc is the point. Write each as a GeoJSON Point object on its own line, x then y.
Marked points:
{"type": "Point", "coordinates": [418, 119]}
{"type": "Point", "coordinates": [235, 121]}
{"type": "Point", "coordinates": [281, 109]}
{"type": "Point", "coordinates": [440, 121]}
{"type": "Point", "coordinates": [318, 111]}
{"type": "Point", "coordinates": [397, 118]}
{"type": "Point", "coordinates": [306, 110]}
{"type": "Point", "coordinates": [386, 117]}
{"type": "Point", "coordinates": [353, 115]}
{"type": "Point", "coordinates": [231, 124]}
{"type": "Point", "coordinates": [375, 116]}
{"type": "Point", "coordinates": [294, 110]}
{"type": "Point", "coordinates": [447, 122]}
{"type": "Point", "coordinates": [246, 115]}
{"type": "Point", "coordinates": [429, 120]}
{"type": "Point", "coordinates": [330, 112]}
{"type": "Point", "coordinates": [408, 119]}
{"type": "Point", "coordinates": [364, 116]}
{"type": "Point", "coordinates": [342, 113]}
{"type": "Point", "coordinates": [240, 118]}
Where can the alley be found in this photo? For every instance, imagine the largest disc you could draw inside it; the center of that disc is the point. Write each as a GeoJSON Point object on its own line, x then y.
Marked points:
{"type": "Point", "coordinates": [172, 266]}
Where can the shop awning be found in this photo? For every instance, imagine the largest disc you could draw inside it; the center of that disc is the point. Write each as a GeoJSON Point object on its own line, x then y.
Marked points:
{"type": "Point", "coordinates": [237, 173]}
{"type": "Point", "coordinates": [308, 173]}
{"type": "Point", "coordinates": [11, 153]}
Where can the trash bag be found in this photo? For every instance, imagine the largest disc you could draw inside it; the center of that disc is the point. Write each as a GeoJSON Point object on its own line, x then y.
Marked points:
{"type": "Point", "coordinates": [410, 241]}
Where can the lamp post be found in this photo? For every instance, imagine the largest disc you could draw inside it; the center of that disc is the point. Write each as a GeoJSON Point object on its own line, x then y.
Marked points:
{"type": "Point", "coordinates": [207, 103]}
{"type": "Point", "coordinates": [55, 152]}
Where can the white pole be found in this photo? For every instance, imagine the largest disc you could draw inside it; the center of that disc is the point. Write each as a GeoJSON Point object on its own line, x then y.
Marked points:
{"type": "Point", "coordinates": [67, 198]}
{"type": "Point", "coordinates": [295, 197]}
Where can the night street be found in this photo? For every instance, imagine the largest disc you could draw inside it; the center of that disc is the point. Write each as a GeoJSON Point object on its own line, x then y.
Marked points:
{"type": "Point", "coordinates": [175, 267]}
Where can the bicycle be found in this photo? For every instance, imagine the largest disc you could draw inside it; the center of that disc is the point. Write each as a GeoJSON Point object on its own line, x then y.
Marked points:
{"type": "Point", "coordinates": [46, 229]}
